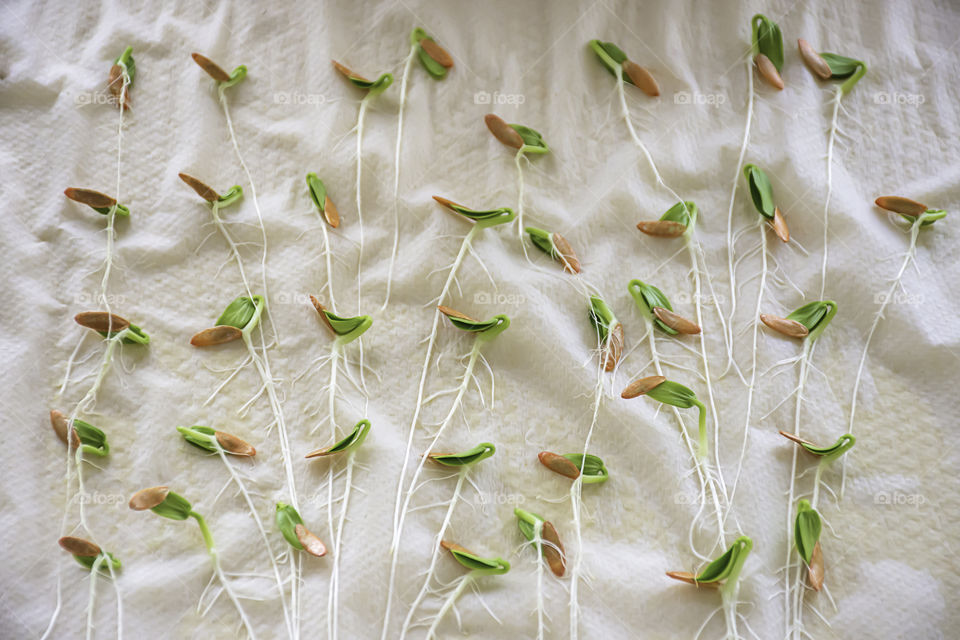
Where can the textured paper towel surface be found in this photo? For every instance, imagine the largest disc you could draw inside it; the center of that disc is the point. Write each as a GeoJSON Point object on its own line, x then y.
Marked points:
{"type": "Point", "coordinates": [891, 567]}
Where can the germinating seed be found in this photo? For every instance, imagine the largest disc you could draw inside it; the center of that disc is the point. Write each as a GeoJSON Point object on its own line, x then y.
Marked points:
{"type": "Point", "coordinates": [676, 322]}
{"type": "Point", "coordinates": [502, 131]}
{"type": "Point", "coordinates": [642, 78]}
{"type": "Point", "coordinates": [101, 321]}
{"type": "Point", "coordinates": [814, 61]}
{"type": "Point", "coordinates": [203, 190]}
{"type": "Point", "coordinates": [216, 335]}
{"type": "Point", "coordinates": [769, 72]}
{"type": "Point", "coordinates": [901, 205]}
{"type": "Point", "coordinates": [787, 327]}
{"type": "Point", "coordinates": [212, 69]}
{"type": "Point", "coordinates": [662, 228]}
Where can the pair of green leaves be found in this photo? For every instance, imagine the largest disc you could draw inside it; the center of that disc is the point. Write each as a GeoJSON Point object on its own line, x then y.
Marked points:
{"type": "Point", "coordinates": [528, 523]}
{"type": "Point", "coordinates": [728, 564]}
{"type": "Point", "coordinates": [815, 316]}
{"type": "Point", "coordinates": [479, 565]}
{"type": "Point", "coordinates": [131, 335]}
{"type": "Point", "coordinates": [926, 218]}
{"type": "Point", "coordinates": [434, 68]}
{"type": "Point", "coordinates": [233, 194]}
{"type": "Point", "coordinates": [842, 67]}
{"type": "Point", "coordinates": [373, 87]}
{"type": "Point", "coordinates": [236, 76]}
{"type": "Point", "coordinates": [543, 240]}
{"type": "Point", "coordinates": [647, 296]}
{"type": "Point", "coordinates": [347, 329]}
{"type": "Point", "coordinates": [602, 318]}
{"type": "Point", "coordinates": [126, 60]}
{"type": "Point", "coordinates": [761, 191]}
{"type": "Point", "coordinates": [243, 313]}
{"type": "Point", "coordinates": [92, 439]}
{"type": "Point", "coordinates": [532, 140]}
{"type": "Point", "coordinates": [174, 507]}
{"type": "Point", "coordinates": [465, 458]}
{"type": "Point", "coordinates": [767, 39]}
{"type": "Point", "coordinates": [843, 444]}
{"type": "Point", "coordinates": [592, 469]}
{"type": "Point", "coordinates": [610, 55]}
{"type": "Point", "coordinates": [485, 329]}
{"type": "Point", "coordinates": [318, 191]}
{"type": "Point", "coordinates": [87, 561]}
{"type": "Point", "coordinates": [484, 218]}
{"type": "Point", "coordinates": [684, 213]}
{"type": "Point", "coordinates": [675, 395]}
{"type": "Point", "coordinates": [806, 530]}
{"type": "Point", "coordinates": [287, 520]}
{"type": "Point", "coordinates": [352, 441]}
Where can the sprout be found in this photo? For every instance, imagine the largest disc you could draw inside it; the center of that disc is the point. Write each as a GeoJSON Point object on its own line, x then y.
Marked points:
{"type": "Point", "coordinates": [911, 210]}
{"type": "Point", "coordinates": [215, 441]}
{"type": "Point", "coordinates": [484, 219]}
{"type": "Point", "coordinates": [224, 80]}
{"type": "Point", "coordinates": [240, 318]}
{"type": "Point", "coordinates": [296, 534]}
{"type": "Point", "coordinates": [92, 440]}
{"type": "Point", "coordinates": [99, 202]}
{"type": "Point", "coordinates": [538, 530]}
{"type": "Point", "coordinates": [655, 307]}
{"type": "Point", "coordinates": [807, 538]}
{"type": "Point", "coordinates": [808, 321]}
{"type": "Point", "coordinates": [348, 444]}
{"type": "Point", "coordinates": [614, 59]}
{"type": "Point", "coordinates": [517, 136]}
{"type": "Point", "coordinates": [843, 444]}
{"type": "Point", "coordinates": [112, 326]}
{"type": "Point", "coordinates": [831, 66]}
{"type": "Point", "coordinates": [673, 394]}
{"type": "Point", "coordinates": [767, 48]}
{"type": "Point", "coordinates": [609, 332]}
{"type": "Point", "coordinates": [466, 458]}
{"type": "Point", "coordinates": [346, 329]}
{"type": "Point", "coordinates": [761, 191]}
{"type": "Point", "coordinates": [318, 193]}
{"type": "Point", "coordinates": [555, 246]}
{"type": "Point", "coordinates": [435, 59]}
{"type": "Point", "coordinates": [208, 193]}
{"type": "Point", "coordinates": [373, 87]}
{"type": "Point", "coordinates": [485, 330]}
{"type": "Point", "coordinates": [87, 553]}
{"type": "Point", "coordinates": [726, 568]}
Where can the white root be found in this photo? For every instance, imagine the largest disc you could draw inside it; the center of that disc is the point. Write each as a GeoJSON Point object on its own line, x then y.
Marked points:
{"type": "Point", "coordinates": [334, 594]}
{"type": "Point", "coordinates": [826, 202]}
{"type": "Point", "coordinates": [464, 582]}
{"type": "Point", "coordinates": [360, 118]}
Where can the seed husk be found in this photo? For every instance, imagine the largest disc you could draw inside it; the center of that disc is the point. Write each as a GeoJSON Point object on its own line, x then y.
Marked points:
{"type": "Point", "coordinates": [211, 67]}
{"type": "Point", "coordinates": [559, 464]}
{"type": "Point", "coordinates": [148, 498]}
{"type": "Point", "coordinates": [438, 53]}
{"type": "Point", "coordinates": [234, 445]}
{"type": "Point", "coordinates": [797, 439]}
{"type": "Point", "coordinates": [641, 77]}
{"type": "Point", "coordinates": [115, 86]}
{"type": "Point", "coordinates": [79, 547]}
{"type": "Point", "coordinates": [204, 191]}
{"type": "Point", "coordinates": [814, 60]}
{"type": "Point", "coordinates": [565, 254]}
{"type": "Point", "coordinates": [311, 543]}
{"type": "Point", "coordinates": [815, 571]}
{"type": "Point", "coordinates": [779, 225]}
{"type": "Point", "coordinates": [347, 72]}
{"type": "Point", "coordinates": [901, 205]}
{"type": "Point", "coordinates": [676, 322]}
{"type": "Point", "coordinates": [449, 204]}
{"type": "Point", "coordinates": [613, 349]}
{"type": "Point", "coordinates": [502, 131]}
{"type": "Point", "coordinates": [323, 316]}
{"type": "Point", "coordinates": [61, 426]}
{"type": "Point", "coordinates": [220, 334]}
{"type": "Point", "coordinates": [101, 321]}
{"type": "Point", "coordinates": [553, 552]}
{"type": "Point", "coordinates": [642, 386]}
{"type": "Point", "coordinates": [790, 328]}
{"type": "Point", "coordinates": [90, 198]}
{"type": "Point", "coordinates": [769, 72]}
{"type": "Point", "coordinates": [689, 578]}
{"type": "Point", "coordinates": [330, 213]}
{"type": "Point", "coordinates": [662, 228]}
{"type": "Point", "coordinates": [453, 313]}
{"type": "Point", "coordinates": [453, 546]}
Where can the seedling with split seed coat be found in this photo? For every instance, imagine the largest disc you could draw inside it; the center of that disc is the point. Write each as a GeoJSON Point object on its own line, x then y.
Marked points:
{"type": "Point", "coordinates": [767, 49]}
{"type": "Point", "coordinates": [544, 537]}
{"type": "Point", "coordinates": [477, 566]}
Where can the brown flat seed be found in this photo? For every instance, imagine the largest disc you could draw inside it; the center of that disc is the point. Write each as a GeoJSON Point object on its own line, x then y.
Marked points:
{"type": "Point", "coordinates": [689, 578]}
{"type": "Point", "coordinates": [814, 60]}
{"type": "Point", "coordinates": [323, 316]}
{"type": "Point", "coordinates": [797, 439]}
{"type": "Point", "coordinates": [115, 86]}
{"type": "Point", "coordinates": [559, 464]}
{"type": "Point", "coordinates": [662, 228]}
{"type": "Point", "coordinates": [554, 551]}
{"type": "Point", "coordinates": [642, 78]}
{"type": "Point", "coordinates": [319, 453]}
{"type": "Point", "coordinates": [502, 131]}
{"type": "Point", "coordinates": [779, 225]}
{"type": "Point", "coordinates": [347, 72]}
{"type": "Point", "coordinates": [148, 498]}
{"type": "Point", "coordinates": [449, 204]}
{"type": "Point", "coordinates": [815, 571]}
{"type": "Point", "coordinates": [676, 322]}
{"type": "Point", "coordinates": [769, 72]}
{"type": "Point", "coordinates": [60, 426]}
{"type": "Point", "coordinates": [565, 254]}
{"type": "Point", "coordinates": [311, 543]}
{"type": "Point", "coordinates": [211, 67]}
{"type": "Point", "coordinates": [438, 53]}
{"type": "Point", "coordinates": [79, 547]}
{"type": "Point", "coordinates": [101, 321]}
{"type": "Point", "coordinates": [453, 546]}
{"type": "Point", "coordinates": [330, 213]}
{"type": "Point", "coordinates": [90, 198]}
{"type": "Point", "coordinates": [898, 204]}
{"type": "Point", "coordinates": [453, 313]}
{"type": "Point", "coordinates": [790, 328]}
{"type": "Point", "coordinates": [220, 334]}
{"type": "Point", "coordinates": [613, 349]}
{"type": "Point", "coordinates": [234, 445]}
{"type": "Point", "coordinates": [203, 190]}
{"type": "Point", "coordinates": [642, 386]}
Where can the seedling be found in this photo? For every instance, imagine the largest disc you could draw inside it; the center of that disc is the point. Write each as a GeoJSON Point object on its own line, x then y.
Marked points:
{"type": "Point", "coordinates": [296, 533]}
{"type": "Point", "coordinates": [545, 539]}
{"type": "Point", "coordinates": [168, 504]}
{"type": "Point", "coordinates": [723, 574]}
{"type": "Point", "coordinates": [919, 216]}
{"type": "Point", "coordinates": [122, 74]}
{"type": "Point", "coordinates": [571, 465]}
{"type": "Point", "coordinates": [767, 49]}
{"type": "Point", "coordinates": [330, 216]}
{"type": "Point", "coordinates": [480, 222]}
{"type": "Point", "coordinates": [616, 62]}
{"type": "Point", "coordinates": [437, 61]}
{"type": "Point", "coordinates": [555, 246]}
{"type": "Point", "coordinates": [526, 141]}
{"type": "Point", "coordinates": [92, 558]}
{"type": "Point", "coordinates": [673, 394]}
{"type": "Point", "coordinates": [483, 332]}
{"type": "Point", "coordinates": [462, 463]}
{"type": "Point", "coordinates": [807, 538]}
{"type": "Point", "coordinates": [373, 88]}
{"type": "Point", "coordinates": [477, 567]}
{"type": "Point", "coordinates": [609, 332]}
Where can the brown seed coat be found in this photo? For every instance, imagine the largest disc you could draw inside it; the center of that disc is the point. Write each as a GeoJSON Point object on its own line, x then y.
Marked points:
{"type": "Point", "coordinates": [565, 254]}
{"type": "Point", "coordinates": [90, 198]}
{"type": "Point", "coordinates": [219, 334]}
{"type": "Point", "coordinates": [115, 86]}
{"type": "Point", "coordinates": [689, 578]}
{"type": "Point", "coordinates": [503, 131]}
{"type": "Point", "coordinates": [346, 71]}
{"type": "Point", "coordinates": [642, 386]}
{"type": "Point", "coordinates": [779, 225]}
{"type": "Point", "coordinates": [899, 204]}
{"type": "Point", "coordinates": [311, 543]}
{"type": "Point", "coordinates": [662, 228]}
{"type": "Point", "coordinates": [554, 552]}
{"type": "Point", "coordinates": [769, 72]}
{"type": "Point", "coordinates": [641, 77]}
{"type": "Point", "coordinates": [234, 445]}
{"type": "Point", "coordinates": [323, 316]}
{"type": "Point", "coordinates": [203, 190]}
{"type": "Point", "coordinates": [438, 53]}
{"type": "Point", "coordinates": [211, 67]}
{"type": "Point", "coordinates": [559, 464]}
{"type": "Point", "coordinates": [790, 328]}
{"type": "Point", "coordinates": [330, 213]}
{"type": "Point", "coordinates": [79, 547]}
{"type": "Point", "coordinates": [613, 348]}
{"type": "Point", "coordinates": [101, 321]}
{"type": "Point", "coordinates": [60, 426]}
{"type": "Point", "coordinates": [815, 571]}
{"type": "Point", "coordinates": [676, 322]}
{"type": "Point", "coordinates": [453, 313]}
{"type": "Point", "coordinates": [148, 498]}
{"type": "Point", "coordinates": [814, 60]}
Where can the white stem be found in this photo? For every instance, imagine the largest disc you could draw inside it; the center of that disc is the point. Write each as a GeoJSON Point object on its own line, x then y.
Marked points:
{"type": "Point", "coordinates": [363, 110]}
{"type": "Point", "coordinates": [334, 360]}
{"type": "Point", "coordinates": [94, 570]}
{"type": "Point", "coordinates": [461, 476]}
{"type": "Point", "coordinates": [731, 250]}
{"type": "Point", "coordinates": [215, 559]}
{"type": "Point", "coordinates": [465, 582]}
{"type": "Point", "coordinates": [826, 202]}
{"type": "Point", "coordinates": [328, 257]}
{"type": "Point", "coordinates": [520, 227]}
{"type": "Point", "coordinates": [396, 173]}
{"type": "Point", "coordinates": [538, 540]}
{"type": "Point", "coordinates": [464, 247]}
{"type": "Point", "coordinates": [753, 363]}
{"type": "Point", "coordinates": [333, 599]}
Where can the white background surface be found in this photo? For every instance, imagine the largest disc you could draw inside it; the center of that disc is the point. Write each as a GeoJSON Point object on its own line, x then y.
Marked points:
{"type": "Point", "coordinates": [891, 569]}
